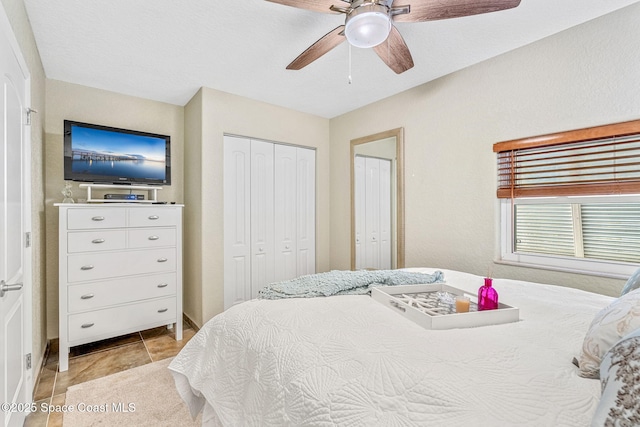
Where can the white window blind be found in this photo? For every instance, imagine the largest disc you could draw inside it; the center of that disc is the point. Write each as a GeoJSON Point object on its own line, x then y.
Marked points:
{"type": "Point", "coordinates": [598, 231]}
{"type": "Point", "coordinates": [546, 229]}
{"type": "Point", "coordinates": [611, 231]}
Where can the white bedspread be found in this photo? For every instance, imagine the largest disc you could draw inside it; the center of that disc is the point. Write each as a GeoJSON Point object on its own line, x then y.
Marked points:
{"type": "Point", "coordinates": [348, 360]}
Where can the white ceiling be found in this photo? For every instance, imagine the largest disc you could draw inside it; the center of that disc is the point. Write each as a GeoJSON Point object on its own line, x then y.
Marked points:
{"type": "Point", "coordinates": [166, 50]}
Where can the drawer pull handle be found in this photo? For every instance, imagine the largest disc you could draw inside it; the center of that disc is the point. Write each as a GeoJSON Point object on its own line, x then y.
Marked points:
{"type": "Point", "coordinates": [162, 310]}
{"type": "Point", "coordinates": [153, 237]}
{"type": "Point", "coordinates": [87, 325]}
{"type": "Point", "coordinates": [87, 296]}
{"type": "Point", "coordinates": [87, 267]}
{"type": "Point", "coordinates": [163, 285]}
{"type": "Point", "coordinates": [162, 260]}
{"type": "Point", "coordinates": [97, 241]}
{"type": "Point", "coordinates": [153, 217]}
{"type": "Point", "coordinates": [97, 218]}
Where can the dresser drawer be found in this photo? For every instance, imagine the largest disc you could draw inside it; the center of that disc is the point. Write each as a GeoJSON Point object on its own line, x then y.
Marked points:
{"type": "Point", "coordinates": [152, 237]}
{"type": "Point", "coordinates": [92, 241]}
{"type": "Point", "coordinates": [89, 296]}
{"type": "Point", "coordinates": [80, 219]}
{"type": "Point", "coordinates": [110, 321]}
{"type": "Point", "coordinates": [97, 266]}
{"type": "Point", "coordinates": [152, 217]}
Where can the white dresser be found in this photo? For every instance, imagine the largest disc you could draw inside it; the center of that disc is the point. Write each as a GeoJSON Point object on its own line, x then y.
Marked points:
{"type": "Point", "coordinates": [120, 271]}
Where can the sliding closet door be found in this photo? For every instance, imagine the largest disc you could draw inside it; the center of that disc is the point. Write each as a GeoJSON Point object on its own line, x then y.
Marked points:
{"type": "Point", "coordinates": [262, 247]}
{"type": "Point", "coordinates": [306, 211]}
{"type": "Point", "coordinates": [237, 220]}
{"type": "Point", "coordinates": [285, 174]}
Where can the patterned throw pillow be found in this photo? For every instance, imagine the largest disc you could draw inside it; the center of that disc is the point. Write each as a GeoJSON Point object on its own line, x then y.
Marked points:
{"type": "Point", "coordinates": [620, 378]}
{"type": "Point", "coordinates": [632, 284]}
{"type": "Point", "coordinates": [612, 323]}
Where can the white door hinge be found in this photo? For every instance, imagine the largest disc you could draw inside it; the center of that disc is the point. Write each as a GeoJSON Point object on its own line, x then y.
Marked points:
{"type": "Point", "coordinates": [27, 360]}
{"type": "Point", "coordinates": [27, 239]}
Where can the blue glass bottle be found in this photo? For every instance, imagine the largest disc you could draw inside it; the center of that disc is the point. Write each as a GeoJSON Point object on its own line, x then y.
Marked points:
{"type": "Point", "coordinates": [487, 296]}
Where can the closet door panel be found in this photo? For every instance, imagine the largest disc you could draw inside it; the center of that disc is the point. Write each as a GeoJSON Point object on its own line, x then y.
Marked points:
{"type": "Point", "coordinates": [262, 230]}
{"type": "Point", "coordinates": [285, 212]}
{"type": "Point", "coordinates": [372, 209]}
{"type": "Point", "coordinates": [385, 214]}
{"type": "Point", "coordinates": [237, 208]}
{"type": "Point", "coordinates": [306, 211]}
{"type": "Point", "coordinates": [360, 210]}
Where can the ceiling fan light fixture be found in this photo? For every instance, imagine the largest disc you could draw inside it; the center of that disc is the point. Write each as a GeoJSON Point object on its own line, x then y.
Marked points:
{"type": "Point", "coordinates": [368, 25]}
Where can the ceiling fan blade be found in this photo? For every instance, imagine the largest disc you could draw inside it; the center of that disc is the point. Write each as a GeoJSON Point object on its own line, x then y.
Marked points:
{"type": "Point", "coordinates": [319, 48]}
{"type": "Point", "coordinates": [394, 52]}
{"type": "Point", "coordinates": [432, 10]}
{"type": "Point", "coordinates": [315, 5]}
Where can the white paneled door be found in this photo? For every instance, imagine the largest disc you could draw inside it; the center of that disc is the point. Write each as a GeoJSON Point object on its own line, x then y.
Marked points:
{"type": "Point", "coordinates": [15, 333]}
{"type": "Point", "coordinates": [269, 215]}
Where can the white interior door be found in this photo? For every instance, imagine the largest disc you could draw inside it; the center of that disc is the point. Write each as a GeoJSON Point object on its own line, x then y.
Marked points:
{"type": "Point", "coordinates": [15, 330]}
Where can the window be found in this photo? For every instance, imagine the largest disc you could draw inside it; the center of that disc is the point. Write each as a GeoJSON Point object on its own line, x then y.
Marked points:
{"type": "Point", "coordinates": [571, 201]}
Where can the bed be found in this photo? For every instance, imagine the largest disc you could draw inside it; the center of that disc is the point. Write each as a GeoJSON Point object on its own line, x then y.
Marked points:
{"type": "Point", "coordinates": [349, 360]}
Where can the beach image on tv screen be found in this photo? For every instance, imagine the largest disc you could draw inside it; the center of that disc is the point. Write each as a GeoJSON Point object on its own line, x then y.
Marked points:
{"type": "Point", "coordinates": [115, 154]}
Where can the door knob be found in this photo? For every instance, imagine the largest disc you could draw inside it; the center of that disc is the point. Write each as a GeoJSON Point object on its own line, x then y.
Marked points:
{"type": "Point", "coordinates": [4, 288]}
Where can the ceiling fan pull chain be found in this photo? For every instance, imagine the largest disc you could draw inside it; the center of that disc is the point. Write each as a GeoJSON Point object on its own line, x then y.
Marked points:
{"type": "Point", "coordinates": [349, 63]}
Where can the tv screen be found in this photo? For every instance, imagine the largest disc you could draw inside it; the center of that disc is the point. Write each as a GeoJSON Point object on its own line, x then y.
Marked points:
{"type": "Point", "coordinates": [102, 154]}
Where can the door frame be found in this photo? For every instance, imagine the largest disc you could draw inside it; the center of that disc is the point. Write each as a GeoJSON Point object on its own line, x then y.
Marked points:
{"type": "Point", "coordinates": [7, 30]}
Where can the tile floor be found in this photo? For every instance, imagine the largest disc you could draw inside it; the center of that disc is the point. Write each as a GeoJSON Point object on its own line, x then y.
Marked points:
{"type": "Point", "coordinates": [99, 359]}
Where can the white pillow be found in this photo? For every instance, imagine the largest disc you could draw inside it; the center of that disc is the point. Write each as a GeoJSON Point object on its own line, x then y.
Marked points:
{"type": "Point", "coordinates": [612, 323]}
{"type": "Point", "coordinates": [632, 283]}
{"type": "Point", "coordinates": [620, 378]}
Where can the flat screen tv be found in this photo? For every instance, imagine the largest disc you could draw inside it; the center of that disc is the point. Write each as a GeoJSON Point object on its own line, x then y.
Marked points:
{"type": "Point", "coordinates": [107, 155]}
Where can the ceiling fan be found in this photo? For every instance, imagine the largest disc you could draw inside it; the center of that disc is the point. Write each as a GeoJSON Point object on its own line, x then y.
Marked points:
{"type": "Point", "coordinates": [369, 23]}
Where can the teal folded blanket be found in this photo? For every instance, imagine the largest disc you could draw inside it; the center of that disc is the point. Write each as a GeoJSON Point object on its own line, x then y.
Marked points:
{"type": "Point", "coordinates": [339, 282]}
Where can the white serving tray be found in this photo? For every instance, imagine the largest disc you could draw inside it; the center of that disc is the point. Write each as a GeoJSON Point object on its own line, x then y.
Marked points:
{"type": "Point", "coordinates": [391, 296]}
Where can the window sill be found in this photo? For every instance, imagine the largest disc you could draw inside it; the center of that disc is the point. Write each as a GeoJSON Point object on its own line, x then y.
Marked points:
{"type": "Point", "coordinates": [609, 275]}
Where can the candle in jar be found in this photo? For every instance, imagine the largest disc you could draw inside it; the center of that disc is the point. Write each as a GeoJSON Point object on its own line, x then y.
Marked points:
{"type": "Point", "coordinates": [462, 304]}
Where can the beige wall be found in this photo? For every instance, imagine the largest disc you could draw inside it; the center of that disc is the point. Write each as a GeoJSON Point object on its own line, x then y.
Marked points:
{"type": "Point", "coordinates": [193, 215]}
{"type": "Point", "coordinates": [585, 76]}
{"type": "Point", "coordinates": [225, 113]}
{"type": "Point", "coordinates": [17, 15]}
{"type": "Point", "coordinates": [81, 103]}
